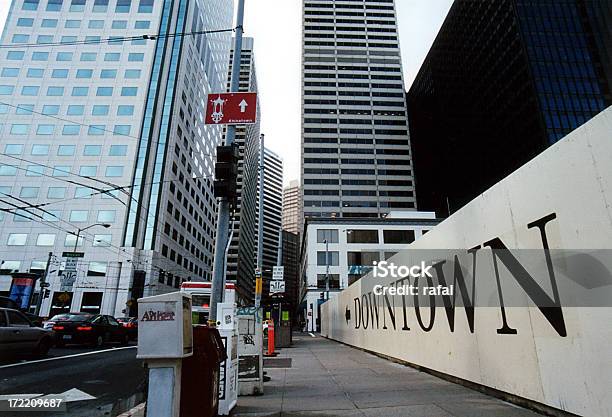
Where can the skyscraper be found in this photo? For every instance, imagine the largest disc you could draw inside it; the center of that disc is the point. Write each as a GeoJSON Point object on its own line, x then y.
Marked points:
{"type": "Point", "coordinates": [105, 140]}
{"type": "Point", "coordinates": [503, 80]}
{"type": "Point", "coordinates": [356, 158]}
{"type": "Point", "coordinates": [292, 207]}
{"type": "Point", "coordinates": [240, 262]}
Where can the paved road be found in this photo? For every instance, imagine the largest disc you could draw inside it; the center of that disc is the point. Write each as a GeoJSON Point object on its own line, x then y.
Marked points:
{"type": "Point", "coordinates": [326, 378]}
{"type": "Point", "coordinates": [114, 376]}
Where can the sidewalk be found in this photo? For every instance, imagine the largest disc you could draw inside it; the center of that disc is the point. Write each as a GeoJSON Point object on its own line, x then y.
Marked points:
{"type": "Point", "coordinates": [326, 378]}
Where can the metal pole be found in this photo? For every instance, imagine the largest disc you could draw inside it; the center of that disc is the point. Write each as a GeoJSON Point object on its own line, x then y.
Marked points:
{"type": "Point", "coordinates": [279, 253]}
{"type": "Point", "coordinates": [326, 269]}
{"type": "Point", "coordinates": [76, 241]}
{"type": "Point", "coordinates": [218, 281]}
{"type": "Point", "coordinates": [43, 280]}
{"type": "Point", "coordinates": [260, 222]}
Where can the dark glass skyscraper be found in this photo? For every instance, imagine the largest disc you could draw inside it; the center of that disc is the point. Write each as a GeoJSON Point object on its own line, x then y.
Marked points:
{"type": "Point", "coordinates": [503, 80]}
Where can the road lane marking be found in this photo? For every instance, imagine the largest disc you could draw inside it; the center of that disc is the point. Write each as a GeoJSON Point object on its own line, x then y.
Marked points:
{"type": "Point", "coordinates": [67, 356]}
{"type": "Point", "coordinates": [312, 335]}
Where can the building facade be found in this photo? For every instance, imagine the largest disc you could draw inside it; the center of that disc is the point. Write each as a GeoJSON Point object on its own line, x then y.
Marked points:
{"type": "Point", "coordinates": [291, 262]}
{"type": "Point", "coordinates": [240, 262]}
{"type": "Point", "coordinates": [292, 207]}
{"type": "Point", "coordinates": [108, 136]}
{"type": "Point", "coordinates": [343, 250]}
{"type": "Point", "coordinates": [488, 99]}
{"type": "Point", "coordinates": [356, 157]}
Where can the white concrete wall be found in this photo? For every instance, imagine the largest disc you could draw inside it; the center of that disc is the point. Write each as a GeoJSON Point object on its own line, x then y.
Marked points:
{"type": "Point", "coordinates": [572, 179]}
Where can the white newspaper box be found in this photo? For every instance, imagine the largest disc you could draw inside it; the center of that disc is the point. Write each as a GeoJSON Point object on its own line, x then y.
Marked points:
{"type": "Point", "coordinates": [164, 326]}
{"type": "Point", "coordinates": [228, 372]}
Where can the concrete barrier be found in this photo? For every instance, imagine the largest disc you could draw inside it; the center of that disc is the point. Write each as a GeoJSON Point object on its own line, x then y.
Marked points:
{"type": "Point", "coordinates": [561, 199]}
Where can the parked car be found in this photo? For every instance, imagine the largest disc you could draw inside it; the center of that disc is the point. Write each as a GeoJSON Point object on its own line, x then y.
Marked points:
{"type": "Point", "coordinates": [131, 324]}
{"type": "Point", "coordinates": [18, 335]}
{"type": "Point", "coordinates": [96, 330]}
{"type": "Point", "coordinates": [48, 324]}
{"type": "Point", "coordinates": [6, 302]}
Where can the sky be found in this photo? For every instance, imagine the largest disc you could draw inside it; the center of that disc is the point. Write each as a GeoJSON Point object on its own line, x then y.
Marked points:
{"type": "Point", "coordinates": [276, 27]}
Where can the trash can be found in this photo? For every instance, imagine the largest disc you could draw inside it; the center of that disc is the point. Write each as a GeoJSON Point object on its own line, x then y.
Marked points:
{"type": "Point", "coordinates": [200, 374]}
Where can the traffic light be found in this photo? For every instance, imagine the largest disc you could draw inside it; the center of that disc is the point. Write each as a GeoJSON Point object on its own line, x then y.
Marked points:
{"type": "Point", "coordinates": [46, 293]}
{"type": "Point", "coordinates": [226, 172]}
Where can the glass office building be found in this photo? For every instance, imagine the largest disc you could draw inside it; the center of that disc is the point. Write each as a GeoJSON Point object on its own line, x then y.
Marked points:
{"type": "Point", "coordinates": [503, 80]}
{"type": "Point", "coordinates": [103, 137]}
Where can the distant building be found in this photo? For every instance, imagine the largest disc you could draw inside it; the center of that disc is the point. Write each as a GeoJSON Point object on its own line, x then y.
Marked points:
{"type": "Point", "coordinates": [356, 157]}
{"type": "Point", "coordinates": [292, 207]}
{"type": "Point", "coordinates": [503, 80]}
{"type": "Point", "coordinates": [352, 247]}
{"type": "Point", "coordinates": [291, 262]}
{"type": "Point", "coordinates": [240, 262]}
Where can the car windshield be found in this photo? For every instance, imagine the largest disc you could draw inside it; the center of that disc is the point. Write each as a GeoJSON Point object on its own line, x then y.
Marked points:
{"type": "Point", "coordinates": [70, 317]}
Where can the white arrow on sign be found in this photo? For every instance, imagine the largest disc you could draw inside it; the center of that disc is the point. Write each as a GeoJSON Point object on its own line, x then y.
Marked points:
{"type": "Point", "coordinates": [243, 105]}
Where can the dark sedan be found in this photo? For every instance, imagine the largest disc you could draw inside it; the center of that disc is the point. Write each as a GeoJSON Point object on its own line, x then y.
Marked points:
{"type": "Point", "coordinates": [131, 324]}
{"type": "Point", "coordinates": [96, 330]}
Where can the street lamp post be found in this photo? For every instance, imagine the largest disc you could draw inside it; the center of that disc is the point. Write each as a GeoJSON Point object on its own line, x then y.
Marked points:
{"type": "Point", "coordinates": [78, 233]}
{"type": "Point", "coordinates": [326, 269]}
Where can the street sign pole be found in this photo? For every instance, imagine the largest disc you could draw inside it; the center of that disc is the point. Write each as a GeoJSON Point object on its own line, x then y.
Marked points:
{"type": "Point", "coordinates": [218, 282]}
{"type": "Point", "coordinates": [43, 280]}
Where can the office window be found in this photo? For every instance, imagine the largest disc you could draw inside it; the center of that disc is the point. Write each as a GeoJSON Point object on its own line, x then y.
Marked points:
{"type": "Point", "coordinates": [77, 5]}
{"type": "Point", "coordinates": [88, 170]}
{"type": "Point", "coordinates": [99, 110]}
{"type": "Point", "coordinates": [106, 216]}
{"type": "Point", "coordinates": [96, 24]}
{"type": "Point", "coordinates": [102, 240]}
{"type": "Point", "coordinates": [131, 74]}
{"type": "Point", "coordinates": [25, 22]}
{"type": "Point", "coordinates": [30, 90]}
{"type": "Point", "coordinates": [100, 6]}
{"type": "Point", "coordinates": [110, 195]}
{"type": "Point", "coordinates": [333, 258]}
{"type": "Point", "coordinates": [112, 56]}
{"type": "Point", "coordinates": [84, 73]}
{"type": "Point", "coordinates": [114, 171]}
{"type": "Point", "coordinates": [122, 130]}
{"type": "Point", "coordinates": [72, 24]}
{"type": "Point", "coordinates": [54, 5]}
{"type": "Point", "coordinates": [142, 24]}
{"type": "Point", "coordinates": [69, 39]}
{"type": "Point", "coordinates": [78, 215]}
{"type": "Point", "coordinates": [66, 150]}
{"type": "Point", "coordinates": [59, 73]}
{"type": "Point", "coordinates": [44, 39]}
{"type": "Point", "coordinates": [88, 56]}
{"type": "Point", "coordinates": [45, 239]}
{"type": "Point", "coordinates": [48, 23]}
{"type": "Point", "coordinates": [117, 150]}
{"type": "Point", "coordinates": [55, 91]}
{"type": "Point", "coordinates": [70, 240]}
{"type": "Point", "coordinates": [51, 109]}
{"type": "Point", "coordinates": [96, 130]}
{"type": "Point", "coordinates": [35, 73]}
{"type": "Point", "coordinates": [75, 110]}
{"type": "Point", "coordinates": [119, 24]}
{"type": "Point", "coordinates": [10, 72]}
{"type": "Point", "coordinates": [83, 192]}
{"type": "Point", "coordinates": [123, 6]}
{"type": "Point", "coordinates": [6, 90]}
{"type": "Point", "coordinates": [129, 91]}
{"type": "Point", "coordinates": [56, 192]}
{"type": "Point", "coordinates": [97, 269]}
{"type": "Point", "coordinates": [40, 56]}
{"type": "Point", "coordinates": [20, 38]}
{"type": "Point", "coordinates": [15, 55]}
{"type": "Point", "coordinates": [22, 216]}
{"type": "Point", "coordinates": [334, 281]}
{"type": "Point", "coordinates": [362, 258]}
{"type": "Point", "coordinates": [29, 192]}
{"type": "Point", "coordinates": [125, 111]}
{"type": "Point", "coordinates": [34, 170]}
{"type": "Point", "coordinates": [19, 129]}
{"type": "Point", "coordinates": [24, 109]}
{"type": "Point", "coordinates": [44, 130]}
{"type": "Point", "coordinates": [38, 266]}
{"type": "Point", "coordinates": [30, 4]}
{"type": "Point", "coordinates": [108, 73]}
{"type": "Point", "coordinates": [104, 91]}
{"type": "Point", "coordinates": [40, 150]}
{"type": "Point", "coordinates": [80, 91]}
{"type": "Point", "coordinates": [17, 239]}
{"type": "Point", "coordinates": [92, 150]}
{"type": "Point", "coordinates": [135, 57]}
{"type": "Point", "coordinates": [8, 171]}
{"type": "Point", "coordinates": [327, 234]}
{"type": "Point", "coordinates": [12, 149]}
{"type": "Point", "coordinates": [71, 130]}
{"type": "Point", "coordinates": [61, 170]}
{"type": "Point", "coordinates": [4, 109]}
{"type": "Point", "coordinates": [362, 236]}
{"type": "Point", "coordinates": [145, 6]}
{"type": "Point", "coordinates": [63, 56]}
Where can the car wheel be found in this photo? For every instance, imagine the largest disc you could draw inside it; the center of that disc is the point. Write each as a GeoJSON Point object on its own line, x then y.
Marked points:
{"type": "Point", "coordinates": [43, 347]}
{"type": "Point", "coordinates": [125, 340]}
{"type": "Point", "coordinates": [99, 342]}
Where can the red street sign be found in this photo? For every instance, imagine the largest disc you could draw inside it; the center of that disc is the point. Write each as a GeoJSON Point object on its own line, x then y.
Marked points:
{"type": "Point", "coordinates": [231, 108]}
